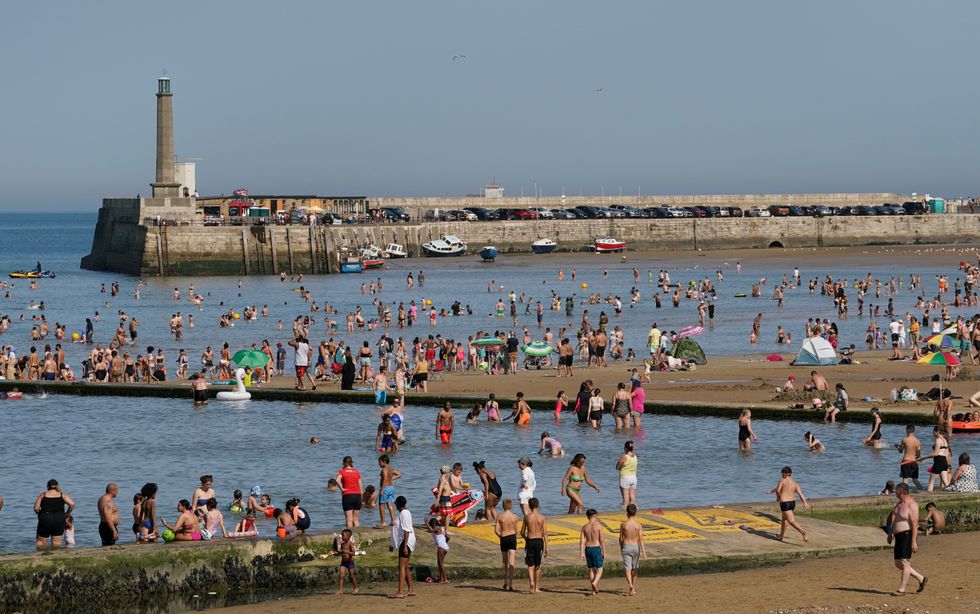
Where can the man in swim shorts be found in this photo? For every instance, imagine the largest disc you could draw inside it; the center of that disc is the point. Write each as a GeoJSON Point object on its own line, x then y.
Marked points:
{"type": "Point", "coordinates": [444, 424]}
{"type": "Point", "coordinates": [534, 530]}
{"type": "Point", "coordinates": [910, 448]}
{"type": "Point", "coordinates": [506, 529]}
{"type": "Point", "coordinates": [592, 548]}
{"type": "Point", "coordinates": [904, 528]}
{"type": "Point", "coordinates": [109, 516]}
{"type": "Point", "coordinates": [444, 493]}
{"type": "Point", "coordinates": [386, 501]}
{"type": "Point", "coordinates": [786, 490]}
{"type": "Point", "coordinates": [631, 547]}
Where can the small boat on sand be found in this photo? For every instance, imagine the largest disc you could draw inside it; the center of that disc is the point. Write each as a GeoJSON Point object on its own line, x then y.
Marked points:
{"type": "Point", "coordinates": [395, 250]}
{"type": "Point", "coordinates": [488, 253]}
{"type": "Point", "coordinates": [608, 244]}
{"type": "Point", "coordinates": [448, 245]}
{"type": "Point", "coordinates": [373, 263]}
{"type": "Point", "coordinates": [543, 246]}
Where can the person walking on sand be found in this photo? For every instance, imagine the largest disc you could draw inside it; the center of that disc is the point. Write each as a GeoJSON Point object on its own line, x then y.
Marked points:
{"type": "Point", "coordinates": [592, 548]}
{"type": "Point", "coordinates": [904, 527]}
{"type": "Point", "coordinates": [505, 528]}
{"type": "Point", "coordinates": [626, 465]}
{"type": "Point", "coordinates": [534, 530]}
{"type": "Point", "coordinates": [745, 433]}
{"type": "Point", "coordinates": [403, 539]}
{"type": "Point", "coordinates": [786, 490]}
{"type": "Point", "coordinates": [631, 547]}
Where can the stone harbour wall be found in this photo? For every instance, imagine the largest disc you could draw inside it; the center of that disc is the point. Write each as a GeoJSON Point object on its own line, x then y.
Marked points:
{"type": "Point", "coordinates": [121, 244]}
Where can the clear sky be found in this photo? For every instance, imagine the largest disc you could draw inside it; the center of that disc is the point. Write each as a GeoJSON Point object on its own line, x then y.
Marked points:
{"type": "Point", "coordinates": [364, 97]}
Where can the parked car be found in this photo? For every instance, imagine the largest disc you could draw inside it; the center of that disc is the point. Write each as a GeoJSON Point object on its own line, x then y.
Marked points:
{"type": "Point", "coordinates": [482, 214]}
{"type": "Point", "coordinates": [821, 211]}
{"type": "Point", "coordinates": [658, 212]}
{"type": "Point", "coordinates": [915, 208]}
{"type": "Point", "coordinates": [628, 211]}
{"type": "Point", "coordinates": [396, 214]}
{"type": "Point", "coordinates": [563, 214]}
{"type": "Point", "coordinates": [544, 214]}
{"type": "Point", "coordinates": [592, 212]}
{"type": "Point", "coordinates": [795, 211]}
{"type": "Point", "coordinates": [758, 212]}
{"type": "Point", "coordinates": [862, 210]}
{"type": "Point", "coordinates": [736, 212]}
{"type": "Point", "coordinates": [679, 212]}
{"type": "Point", "coordinates": [517, 214]}
{"type": "Point", "coordinates": [892, 209]}
{"type": "Point", "coordinates": [779, 210]}
{"type": "Point", "coordinates": [696, 211]}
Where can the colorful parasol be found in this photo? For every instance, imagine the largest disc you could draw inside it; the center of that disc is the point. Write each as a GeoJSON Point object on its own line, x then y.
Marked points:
{"type": "Point", "coordinates": [689, 331]}
{"type": "Point", "coordinates": [945, 359]}
{"type": "Point", "coordinates": [250, 358]}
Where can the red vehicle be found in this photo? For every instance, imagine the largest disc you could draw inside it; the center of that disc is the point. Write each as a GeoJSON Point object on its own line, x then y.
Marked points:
{"type": "Point", "coordinates": [523, 214]}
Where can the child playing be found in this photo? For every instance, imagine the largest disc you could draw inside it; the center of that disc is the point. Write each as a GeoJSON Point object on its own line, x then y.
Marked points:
{"type": "Point", "coordinates": [70, 530]}
{"type": "Point", "coordinates": [285, 526]}
{"type": "Point", "coordinates": [236, 506]}
{"type": "Point", "coordinates": [247, 523]}
{"type": "Point", "coordinates": [369, 499]}
{"type": "Point", "coordinates": [137, 514]}
{"type": "Point", "coordinates": [550, 445]}
{"type": "Point", "coordinates": [346, 562]}
{"type": "Point", "coordinates": [441, 540]}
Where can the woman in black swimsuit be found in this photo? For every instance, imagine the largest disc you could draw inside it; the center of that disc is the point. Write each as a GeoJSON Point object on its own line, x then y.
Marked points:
{"type": "Point", "coordinates": [745, 433]}
{"type": "Point", "coordinates": [582, 404]}
{"type": "Point", "coordinates": [491, 489]}
{"type": "Point", "coordinates": [51, 507]}
{"type": "Point", "coordinates": [874, 438]}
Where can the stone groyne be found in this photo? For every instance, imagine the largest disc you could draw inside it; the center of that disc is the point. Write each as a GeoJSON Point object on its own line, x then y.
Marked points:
{"type": "Point", "coordinates": [125, 243]}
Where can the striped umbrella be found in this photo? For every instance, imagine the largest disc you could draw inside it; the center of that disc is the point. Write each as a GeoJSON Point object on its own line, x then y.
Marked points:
{"type": "Point", "coordinates": [945, 359]}
{"type": "Point", "coordinates": [947, 339]}
{"type": "Point", "coordinates": [689, 331]}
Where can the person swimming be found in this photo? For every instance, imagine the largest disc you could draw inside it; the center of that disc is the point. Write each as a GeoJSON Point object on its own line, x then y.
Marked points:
{"type": "Point", "coordinates": [550, 445]}
{"type": "Point", "coordinates": [814, 444]}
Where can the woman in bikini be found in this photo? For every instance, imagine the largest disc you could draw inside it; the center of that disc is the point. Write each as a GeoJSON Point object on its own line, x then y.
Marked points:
{"type": "Point", "coordinates": [202, 494]}
{"type": "Point", "coordinates": [940, 460]}
{"type": "Point", "coordinates": [571, 484]}
{"type": "Point", "coordinates": [187, 528]}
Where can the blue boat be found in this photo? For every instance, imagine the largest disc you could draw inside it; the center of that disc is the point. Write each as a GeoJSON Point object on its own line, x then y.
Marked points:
{"type": "Point", "coordinates": [351, 267]}
{"type": "Point", "coordinates": [488, 253]}
{"type": "Point", "coordinates": [543, 246]}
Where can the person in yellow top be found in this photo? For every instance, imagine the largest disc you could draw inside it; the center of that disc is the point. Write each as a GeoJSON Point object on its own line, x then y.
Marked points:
{"type": "Point", "coordinates": [626, 465]}
{"type": "Point", "coordinates": [421, 377]}
{"type": "Point", "coordinates": [914, 332]}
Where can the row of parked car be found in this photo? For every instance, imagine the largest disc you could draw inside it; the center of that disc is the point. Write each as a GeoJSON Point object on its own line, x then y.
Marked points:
{"type": "Point", "coordinates": [398, 214]}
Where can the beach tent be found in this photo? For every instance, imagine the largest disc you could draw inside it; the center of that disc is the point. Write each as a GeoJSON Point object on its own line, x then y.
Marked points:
{"type": "Point", "coordinates": [816, 351]}
{"type": "Point", "coordinates": [688, 349]}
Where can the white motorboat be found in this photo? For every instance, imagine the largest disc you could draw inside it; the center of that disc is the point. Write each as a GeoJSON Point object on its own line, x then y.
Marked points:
{"type": "Point", "coordinates": [372, 252]}
{"type": "Point", "coordinates": [448, 245]}
{"type": "Point", "coordinates": [395, 250]}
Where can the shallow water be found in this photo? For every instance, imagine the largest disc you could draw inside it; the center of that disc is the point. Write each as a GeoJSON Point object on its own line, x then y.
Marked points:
{"type": "Point", "coordinates": [60, 242]}
{"type": "Point", "coordinates": [85, 442]}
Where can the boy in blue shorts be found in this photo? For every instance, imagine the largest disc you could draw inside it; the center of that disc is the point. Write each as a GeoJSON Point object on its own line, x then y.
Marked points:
{"type": "Point", "coordinates": [592, 548]}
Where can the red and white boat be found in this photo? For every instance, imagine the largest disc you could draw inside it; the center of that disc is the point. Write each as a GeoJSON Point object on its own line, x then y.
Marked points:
{"type": "Point", "coordinates": [608, 244]}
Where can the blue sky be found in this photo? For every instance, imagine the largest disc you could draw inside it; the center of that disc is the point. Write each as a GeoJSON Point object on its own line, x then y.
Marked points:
{"type": "Point", "coordinates": [364, 97]}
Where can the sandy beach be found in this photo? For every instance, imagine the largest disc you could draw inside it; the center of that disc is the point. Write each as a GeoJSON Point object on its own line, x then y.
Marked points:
{"type": "Point", "coordinates": [855, 583]}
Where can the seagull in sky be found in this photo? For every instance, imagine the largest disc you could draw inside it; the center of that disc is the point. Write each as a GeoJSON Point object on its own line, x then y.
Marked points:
{"type": "Point", "coordinates": [598, 89]}
{"type": "Point", "coordinates": [459, 57]}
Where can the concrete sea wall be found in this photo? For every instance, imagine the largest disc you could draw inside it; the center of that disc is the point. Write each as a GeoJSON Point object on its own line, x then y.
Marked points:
{"type": "Point", "coordinates": [124, 244]}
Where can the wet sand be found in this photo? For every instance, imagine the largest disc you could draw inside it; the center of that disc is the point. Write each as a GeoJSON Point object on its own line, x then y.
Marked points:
{"type": "Point", "coordinates": [861, 582]}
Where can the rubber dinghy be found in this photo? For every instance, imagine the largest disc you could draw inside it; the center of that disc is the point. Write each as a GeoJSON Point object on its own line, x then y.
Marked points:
{"type": "Point", "coordinates": [462, 502]}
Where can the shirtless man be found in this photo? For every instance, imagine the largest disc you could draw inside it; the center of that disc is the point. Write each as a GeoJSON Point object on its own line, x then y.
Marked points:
{"type": "Point", "coordinates": [816, 382]}
{"type": "Point", "coordinates": [380, 385]}
{"type": "Point", "coordinates": [444, 424]}
{"type": "Point", "coordinates": [905, 522]}
{"type": "Point", "coordinates": [786, 490]}
{"type": "Point", "coordinates": [534, 530]}
{"type": "Point", "coordinates": [386, 500]}
{"type": "Point", "coordinates": [50, 367]}
{"type": "Point", "coordinates": [109, 516]}
{"type": "Point", "coordinates": [910, 448]}
{"type": "Point", "coordinates": [631, 546]}
{"type": "Point", "coordinates": [505, 528]}
{"type": "Point", "coordinates": [592, 548]}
